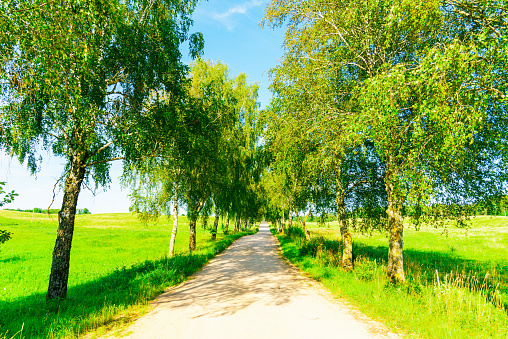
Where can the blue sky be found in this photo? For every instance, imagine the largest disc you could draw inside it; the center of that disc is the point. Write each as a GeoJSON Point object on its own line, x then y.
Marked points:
{"type": "Point", "coordinates": [232, 35]}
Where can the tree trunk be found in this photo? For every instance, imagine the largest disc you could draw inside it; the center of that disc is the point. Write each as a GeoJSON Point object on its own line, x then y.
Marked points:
{"type": "Point", "coordinates": [192, 236]}
{"type": "Point", "coordinates": [290, 219]}
{"type": "Point", "coordinates": [307, 234]}
{"type": "Point", "coordinates": [347, 239]}
{"type": "Point", "coordinates": [215, 226]}
{"type": "Point", "coordinates": [395, 229]}
{"type": "Point", "coordinates": [234, 225]}
{"type": "Point", "coordinates": [175, 224]}
{"type": "Point", "coordinates": [227, 223]}
{"type": "Point", "coordinates": [304, 224]}
{"type": "Point", "coordinates": [59, 277]}
{"type": "Point", "coordinates": [283, 226]}
{"type": "Point", "coordinates": [193, 214]}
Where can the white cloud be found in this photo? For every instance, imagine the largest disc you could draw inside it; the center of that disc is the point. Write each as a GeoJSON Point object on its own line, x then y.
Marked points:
{"type": "Point", "coordinates": [226, 17]}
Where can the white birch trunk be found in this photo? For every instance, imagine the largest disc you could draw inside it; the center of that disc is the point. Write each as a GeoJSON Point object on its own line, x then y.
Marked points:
{"type": "Point", "coordinates": [175, 224]}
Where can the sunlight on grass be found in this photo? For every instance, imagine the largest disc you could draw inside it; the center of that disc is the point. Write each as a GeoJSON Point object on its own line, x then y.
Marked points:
{"type": "Point", "coordinates": [116, 262]}
{"type": "Point", "coordinates": [469, 301]}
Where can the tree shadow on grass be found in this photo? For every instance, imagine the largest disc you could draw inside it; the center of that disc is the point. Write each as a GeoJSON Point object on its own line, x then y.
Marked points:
{"type": "Point", "coordinates": [14, 258]}
{"type": "Point", "coordinates": [420, 267]}
{"type": "Point", "coordinates": [98, 302]}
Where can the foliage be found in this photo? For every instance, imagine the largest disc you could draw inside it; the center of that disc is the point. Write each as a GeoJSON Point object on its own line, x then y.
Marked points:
{"type": "Point", "coordinates": [211, 154]}
{"type": "Point", "coordinates": [77, 79]}
{"type": "Point", "coordinates": [4, 236]}
{"type": "Point", "coordinates": [421, 84]}
{"type": "Point", "coordinates": [6, 199]}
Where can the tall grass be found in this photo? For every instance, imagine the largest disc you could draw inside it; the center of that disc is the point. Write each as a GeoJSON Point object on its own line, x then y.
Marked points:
{"type": "Point", "coordinates": [117, 266]}
{"type": "Point", "coordinates": [454, 288]}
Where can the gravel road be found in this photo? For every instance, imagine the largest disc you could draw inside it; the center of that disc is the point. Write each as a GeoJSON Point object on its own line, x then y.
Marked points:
{"type": "Point", "coordinates": [248, 291]}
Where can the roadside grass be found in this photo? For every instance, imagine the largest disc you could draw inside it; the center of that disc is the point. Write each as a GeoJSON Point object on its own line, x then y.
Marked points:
{"type": "Point", "coordinates": [469, 301]}
{"type": "Point", "coordinates": [117, 266]}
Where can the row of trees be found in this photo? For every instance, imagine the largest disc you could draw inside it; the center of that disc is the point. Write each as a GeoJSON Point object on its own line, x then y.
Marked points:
{"type": "Point", "coordinates": [99, 81]}
{"type": "Point", "coordinates": [385, 106]}
{"type": "Point", "coordinates": [211, 163]}
{"type": "Point", "coordinates": [379, 107]}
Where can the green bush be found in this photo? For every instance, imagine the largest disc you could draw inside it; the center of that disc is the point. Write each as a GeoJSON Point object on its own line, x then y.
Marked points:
{"type": "Point", "coordinates": [365, 269]}
{"type": "Point", "coordinates": [296, 232]}
{"type": "Point", "coordinates": [4, 236]}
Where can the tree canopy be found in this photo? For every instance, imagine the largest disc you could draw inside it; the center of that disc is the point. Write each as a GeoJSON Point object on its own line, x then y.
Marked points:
{"type": "Point", "coordinates": [76, 78]}
{"type": "Point", "coordinates": [209, 160]}
{"type": "Point", "coordinates": [416, 87]}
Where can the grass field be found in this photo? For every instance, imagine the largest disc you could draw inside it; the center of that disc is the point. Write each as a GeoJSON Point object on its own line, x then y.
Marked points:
{"type": "Point", "coordinates": [469, 301]}
{"type": "Point", "coordinates": [117, 265]}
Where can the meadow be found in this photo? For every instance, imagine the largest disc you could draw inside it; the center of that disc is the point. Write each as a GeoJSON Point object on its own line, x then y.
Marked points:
{"type": "Point", "coordinates": [117, 266]}
{"type": "Point", "coordinates": [457, 279]}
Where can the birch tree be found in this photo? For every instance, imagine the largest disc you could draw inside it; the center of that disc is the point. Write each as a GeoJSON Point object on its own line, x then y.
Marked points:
{"type": "Point", "coordinates": [424, 81]}
{"type": "Point", "coordinates": [75, 78]}
{"type": "Point", "coordinates": [202, 150]}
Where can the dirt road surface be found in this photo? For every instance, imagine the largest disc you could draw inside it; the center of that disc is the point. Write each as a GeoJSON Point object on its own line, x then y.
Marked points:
{"type": "Point", "coordinates": [248, 291]}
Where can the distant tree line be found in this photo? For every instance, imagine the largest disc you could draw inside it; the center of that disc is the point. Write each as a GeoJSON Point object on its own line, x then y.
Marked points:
{"type": "Point", "coordinates": [49, 211]}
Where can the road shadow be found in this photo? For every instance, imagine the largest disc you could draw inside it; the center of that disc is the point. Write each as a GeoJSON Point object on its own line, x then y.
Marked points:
{"type": "Point", "coordinates": [98, 302]}
{"type": "Point", "coordinates": [248, 272]}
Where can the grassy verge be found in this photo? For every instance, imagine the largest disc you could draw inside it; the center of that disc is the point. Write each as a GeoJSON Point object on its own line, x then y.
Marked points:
{"type": "Point", "coordinates": [468, 302]}
{"type": "Point", "coordinates": [117, 266]}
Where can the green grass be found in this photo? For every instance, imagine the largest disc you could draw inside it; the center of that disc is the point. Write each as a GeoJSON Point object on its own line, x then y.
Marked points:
{"type": "Point", "coordinates": [117, 266]}
{"type": "Point", "coordinates": [471, 300]}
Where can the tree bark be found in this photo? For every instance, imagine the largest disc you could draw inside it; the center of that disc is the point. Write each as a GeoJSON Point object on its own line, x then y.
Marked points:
{"type": "Point", "coordinates": [347, 239]}
{"type": "Point", "coordinates": [193, 214]}
{"type": "Point", "coordinates": [227, 223]}
{"type": "Point", "coordinates": [304, 224]}
{"type": "Point", "coordinates": [395, 229]}
{"type": "Point", "coordinates": [59, 277]}
{"type": "Point", "coordinates": [283, 226]}
{"type": "Point", "coordinates": [234, 225]}
{"type": "Point", "coordinates": [215, 226]}
{"type": "Point", "coordinates": [307, 234]}
{"type": "Point", "coordinates": [290, 219]}
{"type": "Point", "coordinates": [192, 235]}
{"type": "Point", "coordinates": [175, 224]}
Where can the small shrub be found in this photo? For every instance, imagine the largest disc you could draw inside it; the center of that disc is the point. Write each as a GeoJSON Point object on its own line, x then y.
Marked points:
{"type": "Point", "coordinates": [365, 269]}
{"type": "Point", "coordinates": [414, 288]}
{"type": "Point", "coordinates": [295, 232]}
{"type": "Point", "coordinates": [4, 236]}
